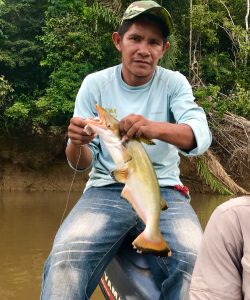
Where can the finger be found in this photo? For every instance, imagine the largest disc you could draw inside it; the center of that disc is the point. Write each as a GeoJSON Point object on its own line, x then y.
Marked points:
{"type": "Point", "coordinates": [76, 125]}
{"type": "Point", "coordinates": [148, 131]}
{"type": "Point", "coordinates": [135, 129]}
{"type": "Point", "coordinates": [127, 122]}
{"type": "Point", "coordinates": [131, 132]}
{"type": "Point", "coordinates": [77, 121]}
{"type": "Point", "coordinates": [138, 133]}
{"type": "Point", "coordinates": [81, 138]}
{"type": "Point", "coordinates": [73, 129]}
{"type": "Point", "coordinates": [124, 126]}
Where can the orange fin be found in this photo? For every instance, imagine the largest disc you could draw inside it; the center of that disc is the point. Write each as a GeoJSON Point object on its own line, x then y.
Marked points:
{"type": "Point", "coordinates": [157, 246]}
{"type": "Point", "coordinates": [126, 194]}
{"type": "Point", "coordinates": [164, 204]}
{"type": "Point", "coordinates": [120, 175]}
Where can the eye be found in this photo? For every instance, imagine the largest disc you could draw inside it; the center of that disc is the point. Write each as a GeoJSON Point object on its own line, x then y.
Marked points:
{"type": "Point", "coordinates": [155, 42]}
{"type": "Point", "coordinates": [135, 38]}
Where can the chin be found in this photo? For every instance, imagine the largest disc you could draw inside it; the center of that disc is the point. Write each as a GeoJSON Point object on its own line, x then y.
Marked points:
{"type": "Point", "coordinates": [143, 72]}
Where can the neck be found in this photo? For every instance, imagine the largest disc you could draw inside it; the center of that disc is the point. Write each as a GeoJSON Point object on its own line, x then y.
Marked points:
{"type": "Point", "coordinates": [135, 80]}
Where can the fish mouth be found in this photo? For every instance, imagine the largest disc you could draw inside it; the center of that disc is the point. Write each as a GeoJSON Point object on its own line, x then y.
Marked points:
{"type": "Point", "coordinates": [99, 121]}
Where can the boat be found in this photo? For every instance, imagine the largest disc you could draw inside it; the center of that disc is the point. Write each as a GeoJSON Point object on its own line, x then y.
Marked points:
{"type": "Point", "coordinates": [131, 275]}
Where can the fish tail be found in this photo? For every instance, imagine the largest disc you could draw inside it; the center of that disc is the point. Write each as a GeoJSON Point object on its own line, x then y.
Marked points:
{"type": "Point", "coordinates": [156, 245]}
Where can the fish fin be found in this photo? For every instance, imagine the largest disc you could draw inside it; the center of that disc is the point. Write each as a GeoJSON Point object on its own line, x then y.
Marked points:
{"type": "Point", "coordinates": [156, 246]}
{"type": "Point", "coordinates": [145, 140]}
{"type": "Point", "coordinates": [120, 175]}
{"type": "Point", "coordinates": [141, 139]}
{"type": "Point", "coordinates": [125, 193]}
{"type": "Point", "coordinates": [164, 204]}
{"type": "Point", "coordinates": [126, 156]}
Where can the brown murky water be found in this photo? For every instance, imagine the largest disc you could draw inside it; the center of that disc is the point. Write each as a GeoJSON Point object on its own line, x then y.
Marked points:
{"type": "Point", "coordinates": [28, 223]}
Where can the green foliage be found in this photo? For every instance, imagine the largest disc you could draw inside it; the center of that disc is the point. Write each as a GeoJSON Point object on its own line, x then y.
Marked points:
{"type": "Point", "coordinates": [218, 69]}
{"type": "Point", "coordinates": [169, 59]}
{"type": "Point", "coordinates": [86, 46]}
{"type": "Point", "coordinates": [47, 47]}
{"type": "Point", "coordinates": [80, 41]}
{"type": "Point", "coordinates": [18, 112]}
{"type": "Point", "coordinates": [239, 102]}
{"type": "Point", "coordinates": [203, 18]}
{"type": "Point", "coordinates": [104, 14]}
{"type": "Point", "coordinates": [58, 8]}
{"type": "Point", "coordinates": [20, 52]}
{"type": "Point", "coordinates": [56, 106]}
{"type": "Point", "coordinates": [5, 92]}
{"type": "Point", "coordinates": [220, 47]}
{"type": "Point", "coordinates": [213, 101]}
{"type": "Point", "coordinates": [206, 97]}
{"type": "Point", "coordinates": [215, 184]}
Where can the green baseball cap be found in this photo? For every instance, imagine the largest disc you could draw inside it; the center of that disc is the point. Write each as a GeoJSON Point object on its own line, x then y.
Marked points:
{"type": "Point", "coordinates": [149, 7]}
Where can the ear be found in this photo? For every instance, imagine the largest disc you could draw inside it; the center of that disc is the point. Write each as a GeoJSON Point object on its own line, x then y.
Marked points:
{"type": "Point", "coordinates": [117, 40]}
{"type": "Point", "coordinates": [165, 47]}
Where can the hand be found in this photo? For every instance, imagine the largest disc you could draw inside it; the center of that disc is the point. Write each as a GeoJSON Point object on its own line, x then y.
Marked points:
{"type": "Point", "coordinates": [76, 133]}
{"type": "Point", "coordinates": [136, 126]}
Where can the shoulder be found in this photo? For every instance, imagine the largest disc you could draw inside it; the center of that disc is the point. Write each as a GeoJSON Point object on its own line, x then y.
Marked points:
{"type": "Point", "coordinates": [233, 212]}
{"type": "Point", "coordinates": [242, 202]}
{"type": "Point", "coordinates": [174, 79]}
{"type": "Point", "coordinates": [103, 76]}
{"type": "Point", "coordinates": [164, 73]}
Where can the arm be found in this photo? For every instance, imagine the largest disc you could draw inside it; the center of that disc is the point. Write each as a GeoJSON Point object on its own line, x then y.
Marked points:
{"type": "Point", "coordinates": [190, 131]}
{"type": "Point", "coordinates": [217, 271]}
{"type": "Point", "coordinates": [180, 135]}
{"type": "Point", "coordinates": [78, 153]}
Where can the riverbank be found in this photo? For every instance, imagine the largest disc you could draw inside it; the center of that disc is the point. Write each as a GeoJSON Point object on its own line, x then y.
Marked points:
{"type": "Point", "coordinates": [39, 164]}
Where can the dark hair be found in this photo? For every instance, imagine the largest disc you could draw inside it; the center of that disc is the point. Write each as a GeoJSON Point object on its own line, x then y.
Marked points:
{"type": "Point", "coordinates": [126, 24]}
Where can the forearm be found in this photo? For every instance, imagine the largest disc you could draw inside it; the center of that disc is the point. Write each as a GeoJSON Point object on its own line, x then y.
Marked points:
{"type": "Point", "coordinates": [180, 135]}
{"type": "Point", "coordinates": [80, 157]}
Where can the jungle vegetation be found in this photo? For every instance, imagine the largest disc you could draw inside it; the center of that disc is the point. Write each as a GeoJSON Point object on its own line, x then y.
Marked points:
{"type": "Point", "coordinates": [47, 47]}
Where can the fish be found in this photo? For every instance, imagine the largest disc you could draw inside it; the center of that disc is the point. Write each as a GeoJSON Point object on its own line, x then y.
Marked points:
{"type": "Point", "coordinates": [135, 170]}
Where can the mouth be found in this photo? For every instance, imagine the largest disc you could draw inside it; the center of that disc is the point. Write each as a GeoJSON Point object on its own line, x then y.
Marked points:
{"type": "Point", "coordinates": [144, 62]}
{"type": "Point", "coordinates": [95, 121]}
{"type": "Point", "coordinates": [100, 120]}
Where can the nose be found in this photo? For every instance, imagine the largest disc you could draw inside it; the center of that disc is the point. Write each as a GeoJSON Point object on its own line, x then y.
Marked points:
{"type": "Point", "coordinates": [143, 49]}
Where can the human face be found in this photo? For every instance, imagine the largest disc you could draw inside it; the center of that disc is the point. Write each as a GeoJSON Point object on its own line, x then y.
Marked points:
{"type": "Point", "coordinates": [141, 48]}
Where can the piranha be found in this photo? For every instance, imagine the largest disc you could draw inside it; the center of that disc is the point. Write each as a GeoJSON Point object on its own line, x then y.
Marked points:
{"type": "Point", "coordinates": [135, 170]}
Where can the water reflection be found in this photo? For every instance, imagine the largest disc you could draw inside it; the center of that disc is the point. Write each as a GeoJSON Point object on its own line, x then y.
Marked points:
{"type": "Point", "coordinates": [204, 205]}
{"type": "Point", "coordinates": [28, 223]}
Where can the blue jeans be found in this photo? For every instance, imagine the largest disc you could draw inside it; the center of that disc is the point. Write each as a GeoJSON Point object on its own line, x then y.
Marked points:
{"type": "Point", "coordinates": [93, 231]}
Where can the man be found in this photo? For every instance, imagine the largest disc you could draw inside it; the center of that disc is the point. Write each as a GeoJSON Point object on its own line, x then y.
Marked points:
{"type": "Point", "coordinates": [222, 269]}
{"type": "Point", "coordinates": [150, 101]}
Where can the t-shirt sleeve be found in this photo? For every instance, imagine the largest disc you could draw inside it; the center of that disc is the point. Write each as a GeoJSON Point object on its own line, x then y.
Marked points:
{"type": "Point", "coordinates": [186, 111]}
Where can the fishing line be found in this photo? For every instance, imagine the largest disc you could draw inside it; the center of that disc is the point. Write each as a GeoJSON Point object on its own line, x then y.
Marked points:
{"type": "Point", "coordinates": [70, 188]}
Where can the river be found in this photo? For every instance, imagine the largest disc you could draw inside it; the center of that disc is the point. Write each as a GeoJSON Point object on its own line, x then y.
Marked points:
{"type": "Point", "coordinates": [28, 223]}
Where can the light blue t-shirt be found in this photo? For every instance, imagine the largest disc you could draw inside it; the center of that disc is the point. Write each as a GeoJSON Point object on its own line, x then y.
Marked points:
{"type": "Point", "coordinates": [167, 97]}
